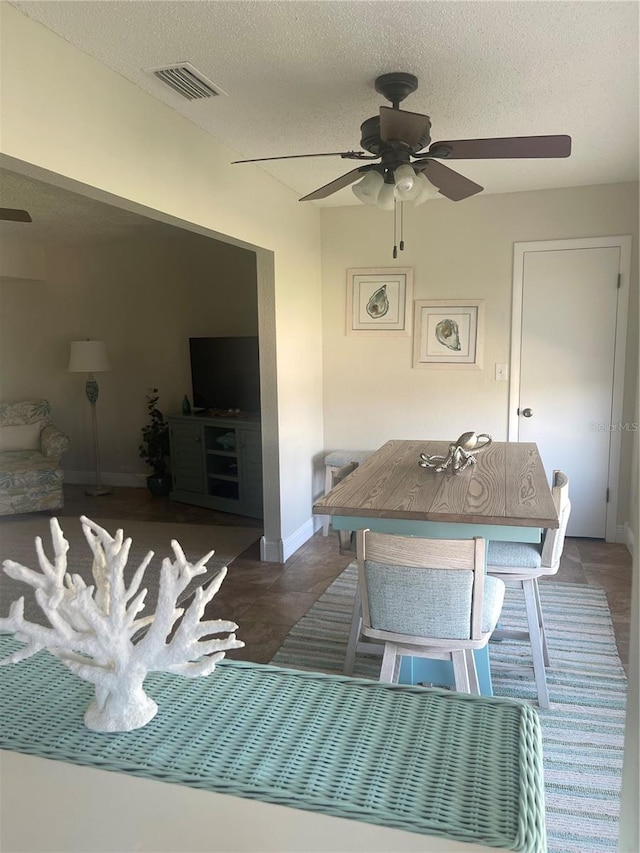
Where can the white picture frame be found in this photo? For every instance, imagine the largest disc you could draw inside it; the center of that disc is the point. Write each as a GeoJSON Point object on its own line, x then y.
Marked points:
{"type": "Point", "coordinates": [379, 301]}
{"type": "Point", "coordinates": [448, 333]}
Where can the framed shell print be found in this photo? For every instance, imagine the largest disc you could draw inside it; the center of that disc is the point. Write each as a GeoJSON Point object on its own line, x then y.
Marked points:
{"type": "Point", "coordinates": [379, 301]}
{"type": "Point", "coordinates": [448, 333]}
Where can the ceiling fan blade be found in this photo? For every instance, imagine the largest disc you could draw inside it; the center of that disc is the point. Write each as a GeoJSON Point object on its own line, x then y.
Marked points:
{"type": "Point", "coordinates": [505, 147]}
{"type": "Point", "coordinates": [403, 126]}
{"type": "Point", "coordinates": [338, 184]}
{"type": "Point", "coordinates": [450, 184]}
{"type": "Point", "coordinates": [346, 155]}
{"type": "Point", "coordinates": [13, 215]}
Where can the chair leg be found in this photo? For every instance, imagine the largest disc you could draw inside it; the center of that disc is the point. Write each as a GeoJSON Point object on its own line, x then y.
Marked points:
{"type": "Point", "coordinates": [346, 543]}
{"type": "Point", "coordinates": [460, 671]}
{"type": "Point", "coordinates": [536, 643]}
{"type": "Point", "coordinates": [328, 483]}
{"type": "Point", "coordinates": [474, 683]}
{"type": "Point", "coordinates": [543, 632]}
{"type": "Point", "coordinates": [354, 633]}
{"type": "Point", "coordinates": [390, 669]}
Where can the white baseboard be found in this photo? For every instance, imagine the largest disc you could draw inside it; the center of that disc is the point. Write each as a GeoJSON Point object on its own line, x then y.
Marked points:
{"type": "Point", "coordinates": [627, 537]}
{"type": "Point", "coordinates": [279, 550]}
{"type": "Point", "coordinates": [271, 550]}
{"type": "Point", "coordinates": [88, 478]}
{"type": "Point", "coordinates": [297, 539]}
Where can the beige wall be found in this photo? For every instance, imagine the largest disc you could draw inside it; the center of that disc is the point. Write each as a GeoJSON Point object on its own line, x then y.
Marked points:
{"type": "Point", "coordinates": [89, 125]}
{"type": "Point", "coordinates": [21, 259]}
{"type": "Point", "coordinates": [145, 297]}
{"type": "Point", "coordinates": [456, 250]}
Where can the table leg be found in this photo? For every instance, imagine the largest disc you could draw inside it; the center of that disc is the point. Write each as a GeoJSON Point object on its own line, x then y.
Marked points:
{"type": "Point", "coordinates": [440, 672]}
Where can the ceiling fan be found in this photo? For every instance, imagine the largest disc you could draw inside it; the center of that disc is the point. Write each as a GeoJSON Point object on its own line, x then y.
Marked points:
{"type": "Point", "coordinates": [10, 214]}
{"type": "Point", "coordinates": [406, 171]}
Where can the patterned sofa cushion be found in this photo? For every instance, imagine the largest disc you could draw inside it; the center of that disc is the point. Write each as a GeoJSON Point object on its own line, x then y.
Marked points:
{"type": "Point", "coordinates": [24, 469]}
{"type": "Point", "coordinates": [30, 478]}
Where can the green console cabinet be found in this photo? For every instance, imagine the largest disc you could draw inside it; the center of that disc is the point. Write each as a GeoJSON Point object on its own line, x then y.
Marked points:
{"type": "Point", "coordinates": [217, 463]}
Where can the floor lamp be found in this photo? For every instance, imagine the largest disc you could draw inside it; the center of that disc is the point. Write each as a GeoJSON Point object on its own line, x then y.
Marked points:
{"type": "Point", "coordinates": [91, 357]}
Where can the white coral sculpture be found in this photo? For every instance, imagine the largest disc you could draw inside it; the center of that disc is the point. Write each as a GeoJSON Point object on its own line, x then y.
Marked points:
{"type": "Point", "coordinates": [92, 627]}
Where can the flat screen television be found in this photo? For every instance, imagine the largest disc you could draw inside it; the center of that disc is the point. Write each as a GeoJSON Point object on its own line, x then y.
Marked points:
{"type": "Point", "coordinates": [225, 373]}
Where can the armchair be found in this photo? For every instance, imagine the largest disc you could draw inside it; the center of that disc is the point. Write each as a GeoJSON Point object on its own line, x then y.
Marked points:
{"type": "Point", "coordinates": [31, 447]}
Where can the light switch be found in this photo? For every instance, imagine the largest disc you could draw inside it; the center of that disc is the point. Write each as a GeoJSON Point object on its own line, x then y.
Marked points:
{"type": "Point", "coordinates": [502, 372]}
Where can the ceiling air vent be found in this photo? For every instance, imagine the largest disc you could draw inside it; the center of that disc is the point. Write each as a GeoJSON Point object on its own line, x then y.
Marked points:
{"type": "Point", "coordinates": [187, 81]}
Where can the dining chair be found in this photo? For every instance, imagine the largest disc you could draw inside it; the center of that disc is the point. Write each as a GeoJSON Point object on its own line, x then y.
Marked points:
{"type": "Point", "coordinates": [337, 465]}
{"type": "Point", "coordinates": [427, 598]}
{"type": "Point", "coordinates": [521, 564]}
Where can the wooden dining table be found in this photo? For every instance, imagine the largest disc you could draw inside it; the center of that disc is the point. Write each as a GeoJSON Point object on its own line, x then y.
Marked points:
{"type": "Point", "coordinates": [504, 496]}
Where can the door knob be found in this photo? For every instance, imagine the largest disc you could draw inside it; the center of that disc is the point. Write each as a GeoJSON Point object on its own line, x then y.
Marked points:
{"type": "Point", "coordinates": [527, 413]}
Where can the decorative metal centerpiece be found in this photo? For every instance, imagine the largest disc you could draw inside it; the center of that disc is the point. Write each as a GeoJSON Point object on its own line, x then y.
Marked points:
{"type": "Point", "coordinates": [462, 453]}
{"type": "Point", "coordinates": [92, 628]}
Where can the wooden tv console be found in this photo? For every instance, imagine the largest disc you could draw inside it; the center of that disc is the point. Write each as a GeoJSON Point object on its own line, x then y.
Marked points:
{"type": "Point", "coordinates": [217, 463]}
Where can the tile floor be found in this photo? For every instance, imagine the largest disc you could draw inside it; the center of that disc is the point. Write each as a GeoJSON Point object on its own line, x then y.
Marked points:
{"type": "Point", "coordinates": [267, 599]}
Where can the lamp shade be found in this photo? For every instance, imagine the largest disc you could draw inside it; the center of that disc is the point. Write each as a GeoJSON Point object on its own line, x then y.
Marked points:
{"type": "Point", "coordinates": [426, 189]}
{"type": "Point", "coordinates": [386, 197]}
{"type": "Point", "coordinates": [368, 188]}
{"type": "Point", "coordinates": [405, 181]}
{"type": "Point", "coordinates": [88, 357]}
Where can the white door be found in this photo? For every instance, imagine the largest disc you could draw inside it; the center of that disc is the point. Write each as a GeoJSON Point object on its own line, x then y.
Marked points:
{"type": "Point", "coordinates": [569, 327]}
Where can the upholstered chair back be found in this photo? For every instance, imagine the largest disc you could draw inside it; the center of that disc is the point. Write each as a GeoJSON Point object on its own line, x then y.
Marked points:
{"type": "Point", "coordinates": [19, 412]}
{"type": "Point", "coordinates": [429, 588]}
{"type": "Point", "coordinates": [22, 423]}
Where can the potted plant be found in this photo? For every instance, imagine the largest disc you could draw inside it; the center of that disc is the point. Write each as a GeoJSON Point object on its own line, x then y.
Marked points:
{"type": "Point", "coordinates": [155, 447]}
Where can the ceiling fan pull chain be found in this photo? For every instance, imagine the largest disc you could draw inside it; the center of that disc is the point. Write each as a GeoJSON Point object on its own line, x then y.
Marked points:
{"type": "Point", "coordinates": [395, 228]}
{"type": "Point", "coordinates": [402, 226]}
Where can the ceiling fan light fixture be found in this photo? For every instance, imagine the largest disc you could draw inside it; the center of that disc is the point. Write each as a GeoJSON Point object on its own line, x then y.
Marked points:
{"type": "Point", "coordinates": [425, 190]}
{"type": "Point", "coordinates": [368, 189]}
{"type": "Point", "coordinates": [386, 197]}
{"type": "Point", "coordinates": [405, 182]}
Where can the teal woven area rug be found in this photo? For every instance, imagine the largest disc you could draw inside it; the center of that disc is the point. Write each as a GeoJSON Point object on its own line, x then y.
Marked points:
{"type": "Point", "coordinates": [583, 731]}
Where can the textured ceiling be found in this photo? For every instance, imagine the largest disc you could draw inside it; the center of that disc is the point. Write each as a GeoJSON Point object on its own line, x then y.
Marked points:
{"type": "Point", "coordinates": [61, 216]}
{"type": "Point", "coordinates": [299, 76]}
